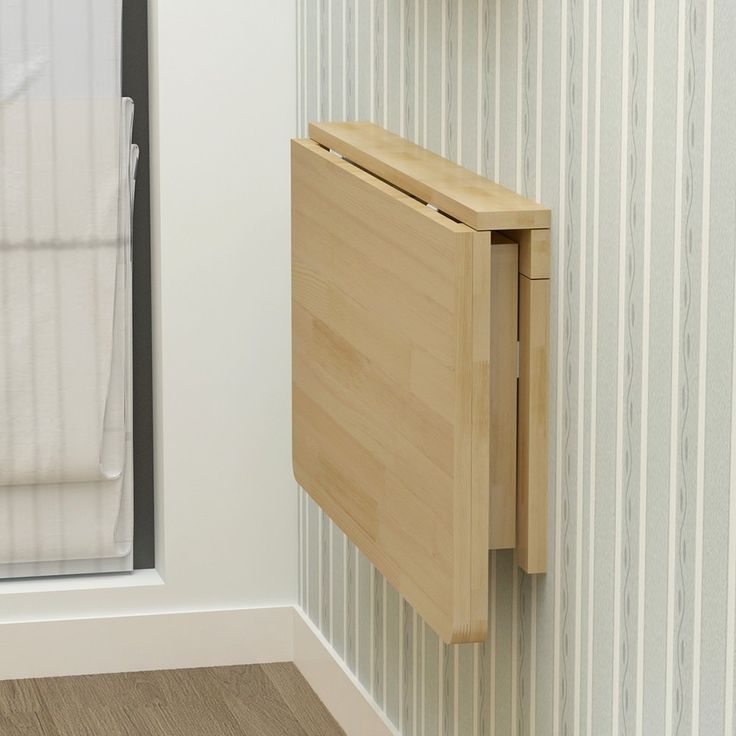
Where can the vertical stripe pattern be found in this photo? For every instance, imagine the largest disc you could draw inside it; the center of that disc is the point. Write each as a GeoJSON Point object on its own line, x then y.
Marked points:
{"type": "Point", "coordinates": [618, 116]}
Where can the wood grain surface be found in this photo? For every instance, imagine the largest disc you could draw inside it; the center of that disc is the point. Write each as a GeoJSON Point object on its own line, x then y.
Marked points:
{"type": "Point", "coordinates": [253, 700]}
{"type": "Point", "coordinates": [391, 409]}
{"type": "Point", "coordinates": [503, 366]}
{"type": "Point", "coordinates": [479, 202]}
{"type": "Point", "coordinates": [531, 529]}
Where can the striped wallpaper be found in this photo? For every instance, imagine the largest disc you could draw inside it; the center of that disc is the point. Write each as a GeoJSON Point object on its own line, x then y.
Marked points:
{"type": "Point", "coordinates": [620, 117]}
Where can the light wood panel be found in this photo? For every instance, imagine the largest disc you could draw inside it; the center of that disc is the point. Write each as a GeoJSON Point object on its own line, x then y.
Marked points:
{"type": "Point", "coordinates": [504, 335]}
{"type": "Point", "coordinates": [463, 194]}
{"type": "Point", "coordinates": [391, 383]}
{"type": "Point", "coordinates": [514, 489]}
{"type": "Point", "coordinates": [531, 529]}
{"type": "Point", "coordinates": [534, 252]}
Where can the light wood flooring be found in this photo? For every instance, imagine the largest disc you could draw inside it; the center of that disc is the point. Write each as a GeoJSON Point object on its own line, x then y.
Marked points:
{"type": "Point", "coordinates": [254, 700]}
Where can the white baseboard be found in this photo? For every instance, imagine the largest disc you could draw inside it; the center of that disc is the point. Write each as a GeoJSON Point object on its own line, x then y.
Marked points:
{"type": "Point", "coordinates": [88, 646]}
{"type": "Point", "coordinates": [145, 642]}
{"type": "Point", "coordinates": [337, 687]}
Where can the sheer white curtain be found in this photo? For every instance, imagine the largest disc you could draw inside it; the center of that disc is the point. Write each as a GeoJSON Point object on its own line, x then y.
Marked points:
{"type": "Point", "coordinates": [66, 184]}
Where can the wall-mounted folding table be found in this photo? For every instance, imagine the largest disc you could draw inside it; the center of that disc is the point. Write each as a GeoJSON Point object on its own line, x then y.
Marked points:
{"type": "Point", "coordinates": [420, 311]}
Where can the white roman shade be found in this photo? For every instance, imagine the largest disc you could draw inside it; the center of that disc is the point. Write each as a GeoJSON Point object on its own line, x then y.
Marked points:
{"type": "Point", "coordinates": [67, 171]}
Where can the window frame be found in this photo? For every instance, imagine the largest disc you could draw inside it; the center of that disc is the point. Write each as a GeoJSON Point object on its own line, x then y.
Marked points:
{"type": "Point", "coordinates": [135, 84]}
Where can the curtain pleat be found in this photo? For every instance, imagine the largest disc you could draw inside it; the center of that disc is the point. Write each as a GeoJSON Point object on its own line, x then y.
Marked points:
{"type": "Point", "coordinates": [66, 181]}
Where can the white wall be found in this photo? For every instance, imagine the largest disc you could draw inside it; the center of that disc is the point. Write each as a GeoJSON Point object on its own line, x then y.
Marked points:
{"type": "Point", "coordinates": [223, 91]}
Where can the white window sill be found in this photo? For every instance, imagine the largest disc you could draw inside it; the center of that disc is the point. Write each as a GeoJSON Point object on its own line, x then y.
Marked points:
{"type": "Point", "coordinates": [107, 581]}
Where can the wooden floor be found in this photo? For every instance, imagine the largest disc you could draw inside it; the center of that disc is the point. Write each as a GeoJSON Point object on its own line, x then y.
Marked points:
{"type": "Point", "coordinates": [255, 700]}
